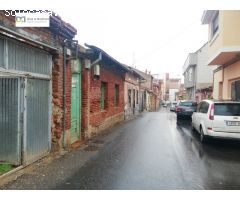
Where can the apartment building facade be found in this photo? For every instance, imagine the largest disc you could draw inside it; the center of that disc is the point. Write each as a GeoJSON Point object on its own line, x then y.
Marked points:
{"type": "Point", "coordinates": [198, 77]}
{"type": "Point", "coordinates": [224, 51]}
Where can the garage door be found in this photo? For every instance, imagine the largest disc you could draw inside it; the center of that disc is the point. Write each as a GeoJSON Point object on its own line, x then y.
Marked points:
{"type": "Point", "coordinates": [10, 134]}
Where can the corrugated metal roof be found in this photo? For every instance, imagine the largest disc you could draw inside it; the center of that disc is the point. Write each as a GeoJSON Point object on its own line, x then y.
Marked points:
{"type": "Point", "coordinates": [107, 56]}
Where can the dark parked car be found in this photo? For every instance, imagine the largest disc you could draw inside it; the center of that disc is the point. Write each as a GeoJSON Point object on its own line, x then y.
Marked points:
{"type": "Point", "coordinates": [185, 108]}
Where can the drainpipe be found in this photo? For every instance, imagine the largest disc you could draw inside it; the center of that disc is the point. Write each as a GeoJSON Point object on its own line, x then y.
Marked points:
{"type": "Point", "coordinates": [64, 80]}
{"type": "Point", "coordinates": [64, 89]}
{"type": "Point", "coordinates": [98, 60]}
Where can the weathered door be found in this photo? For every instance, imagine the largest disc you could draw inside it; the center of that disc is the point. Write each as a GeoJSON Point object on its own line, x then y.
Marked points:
{"type": "Point", "coordinates": [76, 103]}
{"type": "Point", "coordinates": [10, 126]}
{"type": "Point", "coordinates": [37, 140]}
{"type": "Point", "coordinates": [25, 103]}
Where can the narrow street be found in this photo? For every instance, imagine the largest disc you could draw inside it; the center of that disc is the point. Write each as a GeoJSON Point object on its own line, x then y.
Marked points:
{"type": "Point", "coordinates": [150, 152]}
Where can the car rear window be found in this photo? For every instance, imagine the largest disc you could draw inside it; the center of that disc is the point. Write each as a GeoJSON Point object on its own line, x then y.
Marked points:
{"type": "Point", "coordinates": [232, 109]}
{"type": "Point", "coordinates": [188, 104]}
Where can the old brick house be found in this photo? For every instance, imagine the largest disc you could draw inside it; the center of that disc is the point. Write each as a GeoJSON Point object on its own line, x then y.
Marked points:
{"type": "Point", "coordinates": [35, 88]}
{"type": "Point", "coordinates": [103, 92]}
{"type": "Point", "coordinates": [132, 92]}
{"type": "Point", "coordinates": [147, 95]}
{"type": "Point", "coordinates": [157, 93]}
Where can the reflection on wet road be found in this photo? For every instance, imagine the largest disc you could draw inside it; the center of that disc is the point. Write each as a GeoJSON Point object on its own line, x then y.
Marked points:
{"type": "Point", "coordinates": [156, 152]}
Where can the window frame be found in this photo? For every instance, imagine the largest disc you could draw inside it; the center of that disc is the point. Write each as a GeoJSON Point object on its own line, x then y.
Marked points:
{"type": "Point", "coordinates": [103, 97]}
{"type": "Point", "coordinates": [116, 95]}
{"type": "Point", "coordinates": [215, 24]}
{"type": "Point", "coordinates": [190, 74]}
{"type": "Point", "coordinates": [130, 97]}
{"type": "Point", "coordinates": [199, 107]}
{"type": "Point", "coordinates": [235, 90]}
{"type": "Point", "coordinates": [137, 97]}
{"type": "Point", "coordinates": [204, 107]}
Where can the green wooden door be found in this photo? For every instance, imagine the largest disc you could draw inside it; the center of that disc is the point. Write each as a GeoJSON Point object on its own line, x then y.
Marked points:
{"type": "Point", "coordinates": [76, 103]}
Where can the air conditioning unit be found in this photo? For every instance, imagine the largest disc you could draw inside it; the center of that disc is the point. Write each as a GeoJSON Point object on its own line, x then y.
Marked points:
{"type": "Point", "coordinates": [96, 70]}
{"type": "Point", "coordinates": [69, 53]}
{"type": "Point", "coordinates": [74, 66]}
{"type": "Point", "coordinates": [87, 64]}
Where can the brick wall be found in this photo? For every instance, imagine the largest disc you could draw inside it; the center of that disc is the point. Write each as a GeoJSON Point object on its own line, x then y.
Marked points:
{"type": "Point", "coordinates": [85, 101]}
{"type": "Point", "coordinates": [57, 93]}
{"type": "Point", "coordinates": [95, 119]}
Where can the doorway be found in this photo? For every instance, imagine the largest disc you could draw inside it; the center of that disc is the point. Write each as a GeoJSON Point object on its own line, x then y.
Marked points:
{"type": "Point", "coordinates": [76, 103]}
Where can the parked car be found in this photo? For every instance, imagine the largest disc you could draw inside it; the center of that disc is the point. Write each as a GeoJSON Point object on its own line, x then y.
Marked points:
{"type": "Point", "coordinates": [217, 119]}
{"type": "Point", "coordinates": [185, 108]}
{"type": "Point", "coordinates": [173, 106]}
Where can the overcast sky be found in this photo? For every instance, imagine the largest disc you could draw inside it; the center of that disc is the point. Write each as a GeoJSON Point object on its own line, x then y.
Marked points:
{"type": "Point", "coordinates": [145, 34]}
{"type": "Point", "coordinates": [149, 34]}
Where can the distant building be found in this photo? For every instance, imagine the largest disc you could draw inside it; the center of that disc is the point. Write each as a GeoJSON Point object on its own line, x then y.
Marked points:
{"type": "Point", "coordinates": [157, 83]}
{"type": "Point", "coordinates": [181, 95]}
{"type": "Point", "coordinates": [198, 77]}
{"type": "Point", "coordinates": [147, 96]}
{"type": "Point", "coordinates": [170, 87]}
{"type": "Point", "coordinates": [132, 103]}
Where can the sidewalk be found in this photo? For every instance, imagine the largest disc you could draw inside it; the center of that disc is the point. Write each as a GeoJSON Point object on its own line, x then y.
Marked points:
{"type": "Point", "coordinates": [55, 169]}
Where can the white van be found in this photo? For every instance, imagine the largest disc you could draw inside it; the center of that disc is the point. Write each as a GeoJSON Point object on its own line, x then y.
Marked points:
{"type": "Point", "coordinates": [217, 119]}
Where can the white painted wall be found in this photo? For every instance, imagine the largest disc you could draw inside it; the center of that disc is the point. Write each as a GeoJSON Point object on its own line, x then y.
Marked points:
{"type": "Point", "coordinates": [204, 73]}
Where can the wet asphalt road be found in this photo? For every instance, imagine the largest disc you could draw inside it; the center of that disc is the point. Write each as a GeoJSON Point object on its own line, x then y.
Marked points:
{"type": "Point", "coordinates": [155, 152]}
{"type": "Point", "coordinates": [152, 151]}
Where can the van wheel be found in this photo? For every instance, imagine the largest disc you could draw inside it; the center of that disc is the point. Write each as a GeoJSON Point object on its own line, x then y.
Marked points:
{"type": "Point", "coordinates": [203, 138]}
